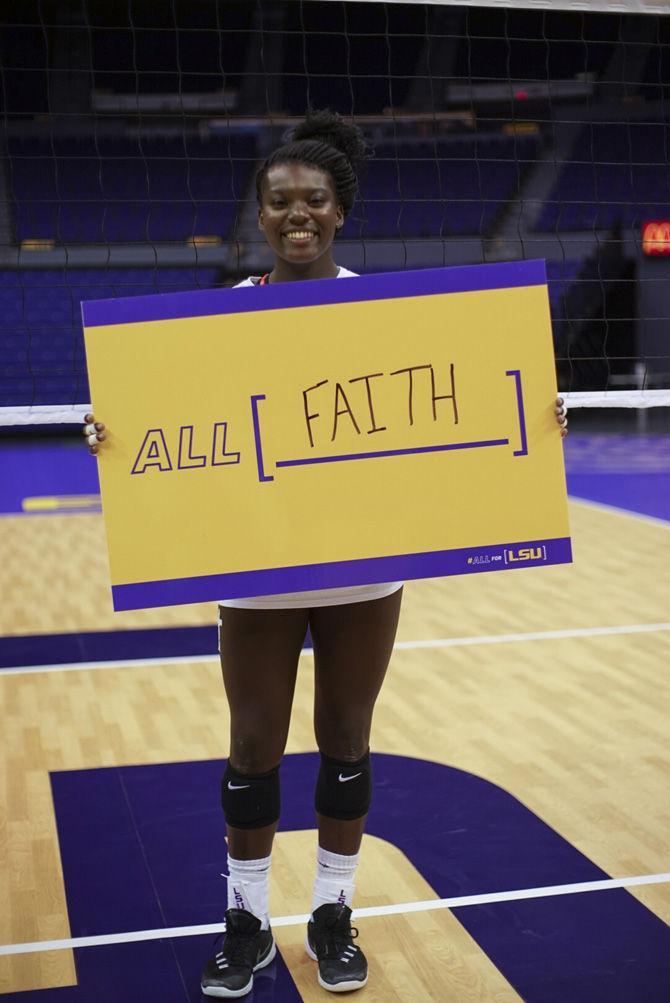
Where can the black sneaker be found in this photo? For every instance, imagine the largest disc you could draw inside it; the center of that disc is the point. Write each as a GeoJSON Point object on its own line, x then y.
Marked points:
{"type": "Point", "coordinates": [330, 941]}
{"type": "Point", "coordinates": [245, 949]}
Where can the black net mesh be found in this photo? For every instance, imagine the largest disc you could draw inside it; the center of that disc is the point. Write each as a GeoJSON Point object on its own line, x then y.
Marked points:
{"type": "Point", "coordinates": [131, 134]}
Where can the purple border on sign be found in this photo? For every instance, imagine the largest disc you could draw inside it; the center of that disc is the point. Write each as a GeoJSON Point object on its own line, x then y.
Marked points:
{"type": "Point", "coordinates": [339, 574]}
{"type": "Point", "coordinates": [316, 292]}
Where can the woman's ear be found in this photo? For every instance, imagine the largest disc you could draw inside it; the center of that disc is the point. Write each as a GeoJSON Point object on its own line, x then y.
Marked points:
{"type": "Point", "coordinates": [260, 220]}
{"type": "Point", "coordinates": [340, 218]}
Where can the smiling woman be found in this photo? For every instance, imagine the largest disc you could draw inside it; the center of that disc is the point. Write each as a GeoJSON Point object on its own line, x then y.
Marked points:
{"type": "Point", "coordinates": [300, 215]}
{"type": "Point", "coordinates": [305, 190]}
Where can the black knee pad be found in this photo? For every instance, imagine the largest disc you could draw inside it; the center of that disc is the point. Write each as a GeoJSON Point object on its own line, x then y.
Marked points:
{"type": "Point", "coordinates": [250, 802]}
{"type": "Point", "coordinates": [343, 790]}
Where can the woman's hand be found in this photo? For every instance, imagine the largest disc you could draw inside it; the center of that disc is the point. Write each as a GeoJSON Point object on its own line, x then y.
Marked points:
{"type": "Point", "coordinates": [561, 416]}
{"type": "Point", "coordinates": [94, 432]}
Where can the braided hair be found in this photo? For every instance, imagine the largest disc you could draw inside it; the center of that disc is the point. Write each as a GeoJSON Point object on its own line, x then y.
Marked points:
{"type": "Point", "coordinates": [323, 140]}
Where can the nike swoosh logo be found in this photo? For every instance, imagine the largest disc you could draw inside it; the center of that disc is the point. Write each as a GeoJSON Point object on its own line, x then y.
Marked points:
{"type": "Point", "coordinates": [353, 776]}
{"type": "Point", "coordinates": [237, 787]}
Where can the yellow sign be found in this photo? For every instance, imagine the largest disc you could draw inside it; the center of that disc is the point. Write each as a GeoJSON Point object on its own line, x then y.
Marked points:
{"type": "Point", "coordinates": [325, 433]}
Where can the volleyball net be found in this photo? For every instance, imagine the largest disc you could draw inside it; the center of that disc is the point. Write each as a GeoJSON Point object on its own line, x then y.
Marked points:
{"type": "Point", "coordinates": [131, 136]}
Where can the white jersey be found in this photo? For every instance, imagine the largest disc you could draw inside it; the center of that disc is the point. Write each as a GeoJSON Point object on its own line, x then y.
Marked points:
{"type": "Point", "coordinates": [317, 597]}
{"type": "Point", "coordinates": [253, 280]}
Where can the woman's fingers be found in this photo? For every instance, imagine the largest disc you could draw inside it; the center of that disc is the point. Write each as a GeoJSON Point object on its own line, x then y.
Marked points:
{"type": "Point", "coordinates": [561, 412]}
{"type": "Point", "coordinates": [94, 432]}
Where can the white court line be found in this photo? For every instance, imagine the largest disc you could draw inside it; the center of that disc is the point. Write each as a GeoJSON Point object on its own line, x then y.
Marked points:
{"type": "Point", "coordinates": [606, 884]}
{"type": "Point", "coordinates": [438, 642]}
{"type": "Point", "coordinates": [535, 635]}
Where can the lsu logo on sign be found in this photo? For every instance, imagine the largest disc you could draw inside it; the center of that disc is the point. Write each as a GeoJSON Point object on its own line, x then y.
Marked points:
{"type": "Point", "coordinates": [525, 554]}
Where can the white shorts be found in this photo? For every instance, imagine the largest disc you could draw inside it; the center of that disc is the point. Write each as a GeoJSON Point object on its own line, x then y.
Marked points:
{"type": "Point", "coordinates": [319, 597]}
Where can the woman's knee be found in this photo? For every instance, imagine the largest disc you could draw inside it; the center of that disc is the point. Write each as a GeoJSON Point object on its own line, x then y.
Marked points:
{"type": "Point", "coordinates": [254, 752]}
{"type": "Point", "coordinates": [345, 741]}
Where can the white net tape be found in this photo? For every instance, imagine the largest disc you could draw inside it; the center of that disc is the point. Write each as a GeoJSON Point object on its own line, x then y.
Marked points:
{"type": "Point", "coordinates": [585, 6]}
{"type": "Point", "coordinates": [47, 414]}
{"type": "Point", "coordinates": [618, 398]}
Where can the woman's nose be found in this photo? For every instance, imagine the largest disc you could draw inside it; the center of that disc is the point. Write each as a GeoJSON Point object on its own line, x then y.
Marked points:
{"type": "Point", "coordinates": [298, 211]}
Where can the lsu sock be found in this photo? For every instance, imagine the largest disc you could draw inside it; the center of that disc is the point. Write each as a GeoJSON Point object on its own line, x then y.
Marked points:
{"type": "Point", "coordinates": [248, 882]}
{"type": "Point", "coordinates": [334, 880]}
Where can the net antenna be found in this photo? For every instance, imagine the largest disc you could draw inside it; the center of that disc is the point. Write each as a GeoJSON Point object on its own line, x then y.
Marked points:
{"type": "Point", "coordinates": [131, 135]}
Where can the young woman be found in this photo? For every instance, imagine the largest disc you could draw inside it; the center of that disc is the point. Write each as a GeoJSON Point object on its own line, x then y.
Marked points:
{"type": "Point", "coordinates": [305, 191]}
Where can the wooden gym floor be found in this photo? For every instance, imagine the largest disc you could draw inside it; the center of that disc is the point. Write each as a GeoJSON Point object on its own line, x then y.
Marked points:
{"type": "Point", "coordinates": [521, 743]}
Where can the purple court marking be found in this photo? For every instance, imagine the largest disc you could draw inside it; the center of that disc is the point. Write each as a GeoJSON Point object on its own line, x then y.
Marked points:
{"type": "Point", "coordinates": [159, 971]}
{"type": "Point", "coordinates": [262, 476]}
{"type": "Point", "coordinates": [108, 645]}
{"type": "Point", "coordinates": [143, 847]}
{"type": "Point", "coordinates": [45, 467]}
{"type": "Point", "coordinates": [516, 373]}
{"type": "Point", "coordinates": [391, 452]}
{"type": "Point", "coordinates": [270, 581]}
{"type": "Point", "coordinates": [316, 292]}
{"type": "Point", "coordinates": [627, 471]}
{"type": "Point", "coordinates": [639, 494]}
{"type": "Point", "coordinates": [112, 646]}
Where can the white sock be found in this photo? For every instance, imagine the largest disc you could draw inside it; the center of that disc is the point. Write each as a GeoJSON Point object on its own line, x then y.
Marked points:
{"type": "Point", "coordinates": [334, 880]}
{"type": "Point", "coordinates": [248, 887]}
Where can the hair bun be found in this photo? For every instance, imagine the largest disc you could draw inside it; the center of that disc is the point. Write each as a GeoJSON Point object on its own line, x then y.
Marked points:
{"type": "Point", "coordinates": [328, 127]}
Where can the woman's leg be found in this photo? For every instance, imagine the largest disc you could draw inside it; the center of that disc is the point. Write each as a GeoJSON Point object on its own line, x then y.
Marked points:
{"type": "Point", "coordinates": [352, 647]}
{"type": "Point", "coordinates": [259, 660]}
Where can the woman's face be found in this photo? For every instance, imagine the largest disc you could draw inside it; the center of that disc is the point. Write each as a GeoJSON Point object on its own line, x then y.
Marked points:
{"type": "Point", "coordinates": [299, 213]}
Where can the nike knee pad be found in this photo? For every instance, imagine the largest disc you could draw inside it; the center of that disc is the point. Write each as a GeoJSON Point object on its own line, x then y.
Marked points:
{"type": "Point", "coordinates": [343, 790]}
{"type": "Point", "coordinates": [250, 801]}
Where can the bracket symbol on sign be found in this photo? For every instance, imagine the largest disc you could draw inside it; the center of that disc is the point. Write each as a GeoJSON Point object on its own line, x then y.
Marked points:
{"type": "Point", "coordinates": [262, 476]}
{"type": "Point", "coordinates": [516, 373]}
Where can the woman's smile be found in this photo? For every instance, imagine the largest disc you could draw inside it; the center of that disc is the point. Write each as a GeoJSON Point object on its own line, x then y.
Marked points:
{"type": "Point", "coordinates": [299, 236]}
{"type": "Point", "coordinates": [300, 215]}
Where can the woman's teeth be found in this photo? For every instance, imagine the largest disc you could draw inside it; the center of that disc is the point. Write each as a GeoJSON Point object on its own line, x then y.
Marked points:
{"type": "Point", "coordinates": [299, 235]}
